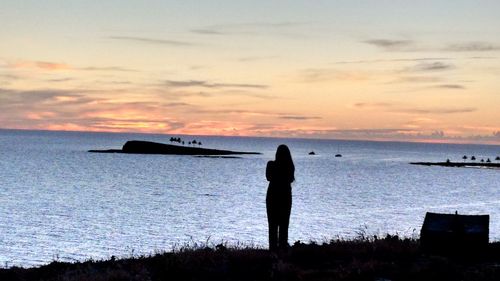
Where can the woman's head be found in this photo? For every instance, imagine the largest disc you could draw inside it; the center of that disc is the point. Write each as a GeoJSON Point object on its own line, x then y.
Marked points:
{"type": "Point", "coordinates": [284, 160]}
{"type": "Point", "coordinates": [283, 154]}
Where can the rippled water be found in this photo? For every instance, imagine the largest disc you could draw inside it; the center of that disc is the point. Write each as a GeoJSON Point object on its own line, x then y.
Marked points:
{"type": "Point", "coordinates": [58, 201]}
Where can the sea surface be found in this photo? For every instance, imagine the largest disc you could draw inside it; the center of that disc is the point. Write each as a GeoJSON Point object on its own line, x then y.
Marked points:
{"type": "Point", "coordinates": [60, 202]}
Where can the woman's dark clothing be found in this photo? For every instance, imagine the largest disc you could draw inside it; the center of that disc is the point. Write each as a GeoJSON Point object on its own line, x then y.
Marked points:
{"type": "Point", "coordinates": [278, 204]}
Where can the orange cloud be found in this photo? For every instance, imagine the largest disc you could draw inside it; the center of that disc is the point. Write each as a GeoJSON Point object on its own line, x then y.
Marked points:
{"type": "Point", "coordinates": [40, 64]}
{"type": "Point", "coordinates": [40, 115]}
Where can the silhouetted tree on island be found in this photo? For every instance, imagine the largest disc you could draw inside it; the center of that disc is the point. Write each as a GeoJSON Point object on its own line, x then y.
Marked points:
{"type": "Point", "coordinates": [177, 140]}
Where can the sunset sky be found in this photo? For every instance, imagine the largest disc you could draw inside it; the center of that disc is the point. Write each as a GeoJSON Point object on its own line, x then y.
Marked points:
{"type": "Point", "coordinates": [377, 70]}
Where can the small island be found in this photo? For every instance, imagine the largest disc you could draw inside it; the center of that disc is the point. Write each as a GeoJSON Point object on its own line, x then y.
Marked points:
{"type": "Point", "coordinates": [148, 147]}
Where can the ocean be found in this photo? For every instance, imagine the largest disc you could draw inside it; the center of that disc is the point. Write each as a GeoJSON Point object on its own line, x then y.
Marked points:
{"type": "Point", "coordinates": [60, 202]}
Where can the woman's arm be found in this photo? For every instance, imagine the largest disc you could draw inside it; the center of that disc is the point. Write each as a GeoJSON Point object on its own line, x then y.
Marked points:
{"type": "Point", "coordinates": [269, 170]}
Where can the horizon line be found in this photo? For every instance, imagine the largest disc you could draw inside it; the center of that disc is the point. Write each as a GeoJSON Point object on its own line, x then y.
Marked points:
{"type": "Point", "coordinates": [423, 141]}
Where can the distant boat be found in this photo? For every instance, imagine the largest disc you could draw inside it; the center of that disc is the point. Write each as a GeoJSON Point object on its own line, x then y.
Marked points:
{"type": "Point", "coordinates": [338, 155]}
{"type": "Point", "coordinates": [312, 153]}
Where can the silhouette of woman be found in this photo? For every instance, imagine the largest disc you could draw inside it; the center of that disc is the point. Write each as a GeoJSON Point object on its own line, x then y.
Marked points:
{"type": "Point", "coordinates": [280, 174]}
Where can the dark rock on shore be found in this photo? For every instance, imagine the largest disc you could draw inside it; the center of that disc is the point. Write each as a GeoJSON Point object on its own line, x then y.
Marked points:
{"type": "Point", "coordinates": [147, 147]}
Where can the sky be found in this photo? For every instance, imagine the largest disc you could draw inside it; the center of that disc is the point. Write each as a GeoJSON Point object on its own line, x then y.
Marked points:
{"type": "Point", "coordinates": [373, 70]}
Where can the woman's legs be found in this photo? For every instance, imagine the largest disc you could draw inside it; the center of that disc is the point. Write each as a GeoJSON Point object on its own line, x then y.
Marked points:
{"type": "Point", "coordinates": [278, 208]}
{"type": "Point", "coordinates": [272, 220]}
{"type": "Point", "coordinates": [273, 236]}
{"type": "Point", "coordinates": [284, 220]}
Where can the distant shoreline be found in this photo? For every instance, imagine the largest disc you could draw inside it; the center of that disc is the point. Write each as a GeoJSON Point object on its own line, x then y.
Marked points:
{"type": "Point", "coordinates": [460, 164]}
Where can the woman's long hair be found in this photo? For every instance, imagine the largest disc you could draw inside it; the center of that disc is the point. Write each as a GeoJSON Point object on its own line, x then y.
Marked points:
{"type": "Point", "coordinates": [285, 163]}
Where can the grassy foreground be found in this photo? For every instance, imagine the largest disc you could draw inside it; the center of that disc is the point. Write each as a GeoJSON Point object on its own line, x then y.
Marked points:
{"type": "Point", "coordinates": [389, 258]}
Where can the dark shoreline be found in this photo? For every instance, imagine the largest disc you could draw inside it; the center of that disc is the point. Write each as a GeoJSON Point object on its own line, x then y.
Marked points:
{"type": "Point", "coordinates": [373, 258]}
{"type": "Point", "coordinates": [147, 147]}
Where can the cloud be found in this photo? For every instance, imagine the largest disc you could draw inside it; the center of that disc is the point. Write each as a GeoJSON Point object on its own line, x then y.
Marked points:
{"type": "Point", "coordinates": [376, 134]}
{"type": "Point", "coordinates": [418, 122]}
{"type": "Point", "coordinates": [267, 114]}
{"type": "Point", "coordinates": [250, 28]}
{"type": "Point", "coordinates": [434, 110]}
{"type": "Point", "coordinates": [394, 60]}
{"type": "Point", "coordinates": [434, 66]}
{"type": "Point", "coordinates": [155, 41]}
{"type": "Point", "coordinates": [134, 124]}
{"type": "Point", "coordinates": [351, 134]}
{"type": "Point", "coordinates": [259, 127]}
{"type": "Point", "coordinates": [58, 80]}
{"type": "Point", "coordinates": [473, 47]}
{"type": "Point", "coordinates": [419, 79]}
{"type": "Point", "coordinates": [442, 110]}
{"type": "Point", "coordinates": [175, 104]}
{"type": "Point", "coordinates": [171, 95]}
{"type": "Point", "coordinates": [207, 84]}
{"type": "Point", "coordinates": [451, 86]}
{"type": "Point", "coordinates": [84, 110]}
{"type": "Point", "coordinates": [9, 77]}
{"type": "Point", "coordinates": [483, 58]}
{"type": "Point", "coordinates": [178, 92]}
{"type": "Point", "coordinates": [282, 24]}
{"type": "Point", "coordinates": [326, 74]}
{"type": "Point", "coordinates": [412, 60]}
{"type": "Point", "coordinates": [410, 45]}
{"type": "Point", "coordinates": [372, 105]}
{"type": "Point", "coordinates": [106, 68]}
{"type": "Point", "coordinates": [44, 65]}
{"type": "Point", "coordinates": [238, 112]}
{"type": "Point", "coordinates": [207, 31]}
{"type": "Point", "coordinates": [51, 65]}
{"type": "Point", "coordinates": [395, 108]}
{"type": "Point", "coordinates": [368, 132]}
{"type": "Point", "coordinates": [55, 66]}
{"type": "Point", "coordinates": [256, 58]}
{"type": "Point", "coordinates": [113, 82]}
{"type": "Point", "coordinates": [391, 45]}
{"type": "Point", "coordinates": [299, 117]}
{"type": "Point", "coordinates": [11, 97]}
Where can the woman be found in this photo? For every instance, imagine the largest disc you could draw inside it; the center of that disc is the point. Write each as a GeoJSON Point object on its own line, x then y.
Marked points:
{"type": "Point", "coordinates": [280, 174]}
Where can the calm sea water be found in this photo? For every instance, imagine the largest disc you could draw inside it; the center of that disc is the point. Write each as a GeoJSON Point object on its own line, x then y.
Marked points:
{"type": "Point", "coordinates": [57, 201]}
